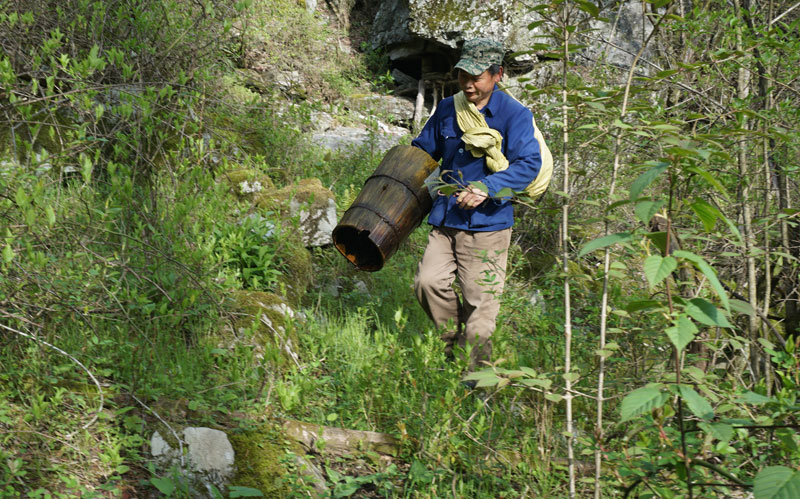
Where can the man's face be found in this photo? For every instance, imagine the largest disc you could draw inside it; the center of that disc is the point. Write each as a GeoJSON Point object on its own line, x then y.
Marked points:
{"type": "Point", "coordinates": [479, 88]}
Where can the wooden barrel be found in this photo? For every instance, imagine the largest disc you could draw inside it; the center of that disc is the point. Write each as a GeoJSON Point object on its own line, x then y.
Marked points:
{"type": "Point", "coordinates": [392, 203]}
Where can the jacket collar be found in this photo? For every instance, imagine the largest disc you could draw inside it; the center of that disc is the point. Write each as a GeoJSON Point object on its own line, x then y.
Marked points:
{"type": "Point", "coordinates": [491, 107]}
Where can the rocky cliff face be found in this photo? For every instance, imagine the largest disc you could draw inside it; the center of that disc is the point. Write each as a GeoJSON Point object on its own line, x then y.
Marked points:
{"type": "Point", "coordinates": [423, 37]}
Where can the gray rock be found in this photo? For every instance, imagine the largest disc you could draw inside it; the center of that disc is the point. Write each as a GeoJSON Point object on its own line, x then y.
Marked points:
{"type": "Point", "coordinates": [210, 451]}
{"type": "Point", "coordinates": [162, 451]}
{"type": "Point", "coordinates": [316, 224]}
{"type": "Point", "coordinates": [344, 138]}
{"type": "Point", "coordinates": [402, 80]}
{"type": "Point", "coordinates": [315, 207]}
{"type": "Point", "coordinates": [618, 40]}
{"type": "Point", "coordinates": [208, 460]}
{"type": "Point", "coordinates": [396, 110]}
{"type": "Point", "coordinates": [322, 121]}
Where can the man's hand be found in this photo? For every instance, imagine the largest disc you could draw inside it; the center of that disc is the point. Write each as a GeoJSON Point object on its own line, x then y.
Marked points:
{"type": "Point", "coordinates": [470, 198]}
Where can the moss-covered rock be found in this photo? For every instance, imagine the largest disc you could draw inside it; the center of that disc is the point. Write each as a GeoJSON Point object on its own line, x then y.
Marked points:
{"type": "Point", "coordinates": [306, 191]}
{"type": "Point", "coordinates": [248, 184]}
{"type": "Point", "coordinates": [308, 203]}
{"type": "Point", "coordinates": [262, 320]}
{"type": "Point", "coordinates": [296, 261]}
{"type": "Point", "coordinates": [259, 461]}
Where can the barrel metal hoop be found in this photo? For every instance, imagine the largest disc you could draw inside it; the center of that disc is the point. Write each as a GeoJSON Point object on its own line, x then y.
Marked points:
{"type": "Point", "coordinates": [420, 203]}
{"type": "Point", "coordinates": [382, 217]}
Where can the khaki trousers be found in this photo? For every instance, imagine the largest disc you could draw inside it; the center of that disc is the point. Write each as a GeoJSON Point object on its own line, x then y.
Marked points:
{"type": "Point", "coordinates": [478, 260]}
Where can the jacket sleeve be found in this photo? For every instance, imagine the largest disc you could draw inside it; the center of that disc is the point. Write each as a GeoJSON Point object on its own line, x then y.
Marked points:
{"type": "Point", "coordinates": [428, 137]}
{"type": "Point", "coordinates": [522, 151]}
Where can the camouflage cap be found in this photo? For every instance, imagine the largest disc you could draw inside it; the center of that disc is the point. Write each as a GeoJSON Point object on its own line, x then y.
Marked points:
{"type": "Point", "coordinates": [480, 53]}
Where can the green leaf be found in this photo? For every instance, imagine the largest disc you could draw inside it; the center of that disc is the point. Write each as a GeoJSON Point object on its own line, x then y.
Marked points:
{"type": "Point", "coordinates": [553, 397]}
{"type": "Point", "coordinates": [750, 397]}
{"type": "Point", "coordinates": [541, 383]}
{"type": "Point", "coordinates": [721, 431]}
{"type": "Point", "coordinates": [164, 485]}
{"type": "Point", "coordinates": [484, 378]}
{"type": "Point", "coordinates": [699, 406]}
{"type": "Point", "coordinates": [706, 269]}
{"type": "Point", "coordinates": [712, 181]}
{"type": "Point", "coordinates": [602, 242]}
{"type": "Point", "coordinates": [21, 198]}
{"type": "Point", "coordinates": [334, 475]}
{"type": "Point", "coordinates": [682, 332]}
{"type": "Point", "coordinates": [448, 189]}
{"type": "Point", "coordinates": [536, 24]}
{"type": "Point", "coordinates": [51, 215]}
{"type": "Point", "coordinates": [588, 7]}
{"type": "Point", "coordinates": [666, 127]}
{"type": "Point", "coordinates": [619, 124]}
{"type": "Point", "coordinates": [658, 268]}
{"type": "Point", "coordinates": [645, 210]}
{"type": "Point", "coordinates": [238, 491]}
{"type": "Point", "coordinates": [480, 186]}
{"type": "Point", "coordinates": [641, 401]}
{"type": "Point", "coordinates": [8, 254]}
{"type": "Point", "coordinates": [742, 307]}
{"type": "Point", "coordinates": [707, 214]}
{"type": "Point", "coordinates": [777, 482]}
{"type": "Point", "coordinates": [659, 239]}
{"type": "Point", "coordinates": [647, 178]}
{"type": "Point", "coordinates": [706, 313]}
{"type": "Point", "coordinates": [86, 168]}
{"type": "Point", "coordinates": [666, 73]}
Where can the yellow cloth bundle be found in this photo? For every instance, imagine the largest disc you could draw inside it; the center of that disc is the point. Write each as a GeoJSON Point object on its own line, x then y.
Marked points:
{"type": "Point", "coordinates": [481, 140]}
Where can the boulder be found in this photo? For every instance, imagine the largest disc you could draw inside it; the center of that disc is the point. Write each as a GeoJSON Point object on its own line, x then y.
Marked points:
{"type": "Point", "coordinates": [207, 460]}
{"type": "Point", "coordinates": [312, 203]}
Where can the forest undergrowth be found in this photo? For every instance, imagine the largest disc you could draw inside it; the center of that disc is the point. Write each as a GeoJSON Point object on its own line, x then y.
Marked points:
{"type": "Point", "coordinates": [647, 343]}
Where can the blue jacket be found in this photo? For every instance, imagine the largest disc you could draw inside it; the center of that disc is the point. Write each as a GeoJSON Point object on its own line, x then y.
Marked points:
{"type": "Point", "coordinates": [441, 138]}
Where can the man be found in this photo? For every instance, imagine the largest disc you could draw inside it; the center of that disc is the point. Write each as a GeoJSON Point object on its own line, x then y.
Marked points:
{"type": "Point", "coordinates": [472, 228]}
